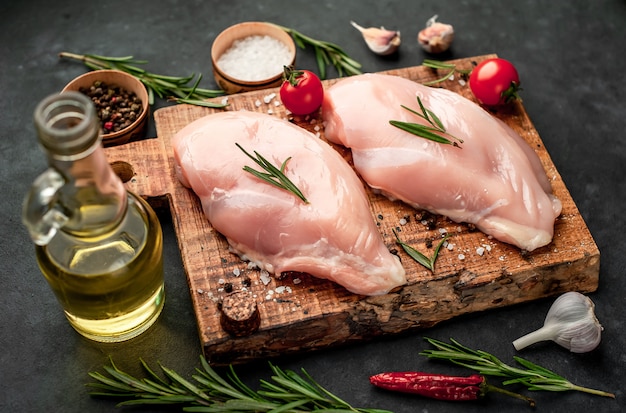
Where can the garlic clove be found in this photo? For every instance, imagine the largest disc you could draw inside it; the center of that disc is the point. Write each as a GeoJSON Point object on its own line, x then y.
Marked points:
{"type": "Point", "coordinates": [380, 41]}
{"type": "Point", "coordinates": [570, 322]}
{"type": "Point", "coordinates": [436, 37]}
{"type": "Point", "coordinates": [580, 337]}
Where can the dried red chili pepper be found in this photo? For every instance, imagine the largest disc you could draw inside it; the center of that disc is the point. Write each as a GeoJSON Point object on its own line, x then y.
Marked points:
{"type": "Point", "coordinates": [439, 386]}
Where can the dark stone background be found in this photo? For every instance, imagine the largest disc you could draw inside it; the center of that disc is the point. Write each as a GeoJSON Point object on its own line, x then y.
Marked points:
{"type": "Point", "coordinates": [570, 55]}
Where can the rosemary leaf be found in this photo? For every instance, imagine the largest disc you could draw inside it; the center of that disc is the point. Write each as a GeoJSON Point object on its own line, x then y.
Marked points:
{"type": "Point", "coordinates": [436, 132]}
{"type": "Point", "coordinates": [294, 387]}
{"type": "Point", "coordinates": [111, 385]}
{"type": "Point", "coordinates": [326, 53]}
{"type": "Point", "coordinates": [197, 102]}
{"type": "Point", "coordinates": [132, 384]}
{"type": "Point", "coordinates": [449, 67]}
{"type": "Point", "coordinates": [158, 400]}
{"type": "Point", "coordinates": [421, 131]}
{"type": "Point", "coordinates": [175, 377]}
{"type": "Point", "coordinates": [161, 85]}
{"type": "Point", "coordinates": [533, 376]}
{"type": "Point", "coordinates": [286, 392]}
{"type": "Point", "coordinates": [294, 405]}
{"type": "Point", "coordinates": [418, 256]}
{"type": "Point", "coordinates": [273, 175]}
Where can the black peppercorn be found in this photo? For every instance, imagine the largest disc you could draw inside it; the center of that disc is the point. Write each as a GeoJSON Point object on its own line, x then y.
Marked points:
{"type": "Point", "coordinates": [116, 107]}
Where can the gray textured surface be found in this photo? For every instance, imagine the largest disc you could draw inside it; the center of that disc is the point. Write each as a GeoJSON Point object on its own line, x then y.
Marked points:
{"type": "Point", "coordinates": [571, 59]}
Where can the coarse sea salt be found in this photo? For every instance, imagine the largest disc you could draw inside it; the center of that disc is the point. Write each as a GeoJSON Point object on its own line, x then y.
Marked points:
{"type": "Point", "coordinates": [255, 58]}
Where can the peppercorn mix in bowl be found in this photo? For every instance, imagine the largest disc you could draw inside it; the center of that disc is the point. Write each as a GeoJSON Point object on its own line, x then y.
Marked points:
{"type": "Point", "coordinates": [121, 102]}
{"type": "Point", "coordinates": [251, 56]}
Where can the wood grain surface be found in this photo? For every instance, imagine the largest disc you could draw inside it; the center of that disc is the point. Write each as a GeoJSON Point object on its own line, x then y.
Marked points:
{"type": "Point", "coordinates": [301, 313]}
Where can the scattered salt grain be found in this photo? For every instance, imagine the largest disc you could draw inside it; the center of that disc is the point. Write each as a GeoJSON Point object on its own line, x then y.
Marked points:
{"type": "Point", "coordinates": [461, 82]}
{"type": "Point", "coordinates": [268, 98]}
{"type": "Point", "coordinates": [237, 272]}
{"type": "Point", "coordinates": [461, 257]}
{"type": "Point", "coordinates": [255, 58]}
{"type": "Point", "coordinates": [297, 281]}
{"type": "Point", "coordinates": [265, 277]}
{"type": "Point", "coordinates": [403, 221]}
{"type": "Point", "coordinates": [480, 251]}
{"type": "Point", "coordinates": [257, 103]}
{"type": "Point", "coordinates": [200, 291]}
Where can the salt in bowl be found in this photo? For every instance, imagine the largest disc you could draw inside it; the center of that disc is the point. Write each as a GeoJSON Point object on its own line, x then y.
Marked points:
{"type": "Point", "coordinates": [250, 56]}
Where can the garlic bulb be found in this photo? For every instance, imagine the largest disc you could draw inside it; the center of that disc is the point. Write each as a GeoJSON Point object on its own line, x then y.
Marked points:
{"type": "Point", "coordinates": [570, 322]}
{"type": "Point", "coordinates": [380, 41]}
{"type": "Point", "coordinates": [436, 37]}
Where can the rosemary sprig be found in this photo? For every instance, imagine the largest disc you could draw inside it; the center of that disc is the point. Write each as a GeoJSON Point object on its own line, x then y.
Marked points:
{"type": "Point", "coordinates": [173, 88]}
{"type": "Point", "coordinates": [418, 256]}
{"type": "Point", "coordinates": [273, 175]}
{"type": "Point", "coordinates": [451, 70]}
{"type": "Point", "coordinates": [435, 132]}
{"type": "Point", "coordinates": [533, 376]}
{"type": "Point", "coordinates": [286, 391]}
{"type": "Point", "coordinates": [326, 53]}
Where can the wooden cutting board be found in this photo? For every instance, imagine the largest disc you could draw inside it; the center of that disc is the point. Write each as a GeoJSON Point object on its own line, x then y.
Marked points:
{"type": "Point", "coordinates": [301, 313]}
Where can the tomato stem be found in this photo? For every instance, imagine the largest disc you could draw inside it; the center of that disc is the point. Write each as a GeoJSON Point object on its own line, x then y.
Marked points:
{"type": "Point", "coordinates": [291, 75]}
{"type": "Point", "coordinates": [511, 93]}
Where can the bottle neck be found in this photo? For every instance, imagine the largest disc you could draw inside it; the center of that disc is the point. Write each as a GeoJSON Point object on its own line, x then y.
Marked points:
{"type": "Point", "coordinates": [79, 193]}
{"type": "Point", "coordinates": [92, 194]}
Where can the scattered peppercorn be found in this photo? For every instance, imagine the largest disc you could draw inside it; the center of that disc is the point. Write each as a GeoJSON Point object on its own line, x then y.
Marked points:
{"type": "Point", "coordinates": [116, 107]}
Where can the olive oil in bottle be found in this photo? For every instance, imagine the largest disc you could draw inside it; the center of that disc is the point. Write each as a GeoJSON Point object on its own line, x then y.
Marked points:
{"type": "Point", "coordinates": [98, 245]}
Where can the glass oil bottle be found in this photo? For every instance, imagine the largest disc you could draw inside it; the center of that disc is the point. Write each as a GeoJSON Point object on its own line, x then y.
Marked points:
{"type": "Point", "coordinates": [98, 245]}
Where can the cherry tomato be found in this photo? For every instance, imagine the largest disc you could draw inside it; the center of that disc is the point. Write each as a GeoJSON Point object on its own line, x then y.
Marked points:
{"type": "Point", "coordinates": [494, 81]}
{"type": "Point", "coordinates": [301, 92]}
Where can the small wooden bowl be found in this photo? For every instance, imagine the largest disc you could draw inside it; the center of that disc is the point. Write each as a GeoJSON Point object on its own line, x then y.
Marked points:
{"type": "Point", "coordinates": [225, 40]}
{"type": "Point", "coordinates": [125, 81]}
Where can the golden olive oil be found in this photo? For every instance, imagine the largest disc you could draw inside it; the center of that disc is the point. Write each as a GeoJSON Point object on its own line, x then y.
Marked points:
{"type": "Point", "coordinates": [110, 285]}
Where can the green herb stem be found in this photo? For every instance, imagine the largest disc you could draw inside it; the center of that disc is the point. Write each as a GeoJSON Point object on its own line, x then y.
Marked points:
{"type": "Point", "coordinates": [167, 87]}
{"type": "Point", "coordinates": [450, 69]}
{"type": "Point", "coordinates": [436, 132]}
{"type": "Point", "coordinates": [272, 174]}
{"type": "Point", "coordinates": [531, 375]}
{"type": "Point", "coordinates": [326, 53]}
{"type": "Point", "coordinates": [208, 391]}
{"type": "Point", "coordinates": [418, 256]}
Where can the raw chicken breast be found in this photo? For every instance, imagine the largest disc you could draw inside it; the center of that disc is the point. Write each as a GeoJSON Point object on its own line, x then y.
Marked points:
{"type": "Point", "coordinates": [334, 236]}
{"type": "Point", "coordinates": [494, 180]}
